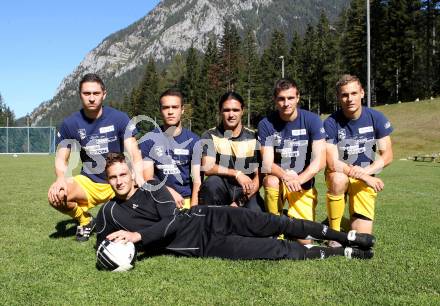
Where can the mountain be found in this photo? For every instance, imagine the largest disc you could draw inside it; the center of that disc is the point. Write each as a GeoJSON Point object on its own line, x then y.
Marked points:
{"type": "Point", "coordinates": [171, 27]}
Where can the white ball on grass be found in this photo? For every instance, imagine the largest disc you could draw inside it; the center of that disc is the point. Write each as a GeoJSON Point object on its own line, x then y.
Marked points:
{"type": "Point", "coordinates": [115, 256]}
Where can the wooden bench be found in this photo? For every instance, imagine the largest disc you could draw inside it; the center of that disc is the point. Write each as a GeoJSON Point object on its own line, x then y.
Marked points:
{"type": "Point", "coordinates": [424, 158]}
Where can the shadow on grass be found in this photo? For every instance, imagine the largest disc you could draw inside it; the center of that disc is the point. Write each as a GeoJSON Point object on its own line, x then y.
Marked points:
{"type": "Point", "coordinates": [63, 229]}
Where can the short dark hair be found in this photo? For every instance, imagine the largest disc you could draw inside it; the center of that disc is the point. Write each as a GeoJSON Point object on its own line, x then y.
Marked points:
{"type": "Point", "coordinates": [230, 95]}
{"type": "Point", "coordinates": [171, 92]}
{"type": "Point", "coordinates": [284, 84]}
{"type": "Point", "coordinates": [115, 157]}
{"type": "Point", "coordinates": [344, 80]}
{"type": "Point", "coordinates": [91, 77]}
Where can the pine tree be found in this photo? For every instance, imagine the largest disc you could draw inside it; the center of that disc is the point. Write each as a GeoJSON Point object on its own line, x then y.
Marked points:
{"type": "Point", "coordinates": [327, 66]}
{"type": "Point", "coordinates": [205, 107]}
{"type": "Point", "coordinates": [230, 57]}
{"type": "Point", "coordinates": [7, 116]}
{"type": "Point", "coordinates": [353, 39]}
{"type": "Point", "coordinates": [250, 80]}
{"type": "Point", "coordinates": [270, 65]}
{"type": "Point", "coordinates": [144, 98]}
{"type": "Point", "coordinates": [293, 60]}
{"type": "Point", "coordinates": [189, 82]}
{"type": "Point", "coordinates": [309, 70]}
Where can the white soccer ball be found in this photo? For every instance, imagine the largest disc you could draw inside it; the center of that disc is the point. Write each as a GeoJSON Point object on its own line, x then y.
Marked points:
{"type": "Point", "coordinates": [115, 256]}
{"type": "Point", "coordinates": [15, 155]}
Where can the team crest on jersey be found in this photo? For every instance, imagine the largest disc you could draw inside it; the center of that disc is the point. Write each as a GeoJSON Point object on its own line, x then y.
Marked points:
{"type": "Point", "coordinates": [387, 125]}
{"type": "Point", "coordinates": [341, 134]}
{"type": "Point", "coordinates": [277, 138]}
{"type": "Point", "coordinates": [159, 150]}
{"type": "Point", "coordinates": [82, 133]}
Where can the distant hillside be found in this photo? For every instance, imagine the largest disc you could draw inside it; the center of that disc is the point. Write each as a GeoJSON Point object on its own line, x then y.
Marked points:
{"type": "Point", "coordinates": [416, 127]}
{"type": "Point", "coordinates": [172, 27]}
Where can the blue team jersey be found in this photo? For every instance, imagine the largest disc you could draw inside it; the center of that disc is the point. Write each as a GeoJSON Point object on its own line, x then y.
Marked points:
{"type": "Point", "coordinates": [292, 140]}
{"type": "Point", "coordinates": [96, 138]}
{"type": "Point", "coordinates": [172, 157]}
{"type": "Point", "coordinates": [356, 139]}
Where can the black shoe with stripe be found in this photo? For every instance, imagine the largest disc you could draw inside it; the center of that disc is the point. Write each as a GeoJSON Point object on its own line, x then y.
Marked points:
{"type": "Point", "coordinates": [83, 232]}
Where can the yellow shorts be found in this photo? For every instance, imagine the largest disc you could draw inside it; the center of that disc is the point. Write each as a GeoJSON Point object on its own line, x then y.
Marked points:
{"type": "Point", "coordinates": [186, 203]}
{"type": "Point", "coordinates": [302, 204]}
{"type": "Point", "coordinates": [361, 198]}
{"type": "Point", "coordinates": [97, 193]}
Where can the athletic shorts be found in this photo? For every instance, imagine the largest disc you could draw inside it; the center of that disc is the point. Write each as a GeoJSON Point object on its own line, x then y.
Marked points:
{"type": "Point", "coordinates": [97, 193]}
{"type": "Point", "coordinates": [302, 204]}
{"type": "Point", "coordinates": [186, 203]}
{"type": "Point", "coordinates": [361, 198]}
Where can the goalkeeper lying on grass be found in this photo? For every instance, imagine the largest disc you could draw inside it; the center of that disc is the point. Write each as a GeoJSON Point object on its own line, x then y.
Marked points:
{"type": "Point", "coordinates": [149, 218]}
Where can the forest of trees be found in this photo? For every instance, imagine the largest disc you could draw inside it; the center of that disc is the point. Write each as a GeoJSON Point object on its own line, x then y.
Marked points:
{"type": "Point", "coordinates": [404, 61]}
{"type": "Point", "coordinates": [7, 116]}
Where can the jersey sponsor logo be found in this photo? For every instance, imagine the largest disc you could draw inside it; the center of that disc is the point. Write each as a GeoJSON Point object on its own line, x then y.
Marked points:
{"type": "Point", "coordinates": [351, 150]}
{"type": "Point", "coordinates": [181, 151]}
{"type": "Point", "coordinates": [299, 132]}
{"type": "Point", "coordinates": [276, 139]}
{"type": "Point", "coordinates": [104, 140]}
{"type": "Point", "coordinates": [96, 149]}
{"type": "Point", "coordinates": [367, 129]}
{"type": "Point", "coordinates": [298, 143]}
{"type": "Point", "coordinates": [288, 152]}
{"type": "Point", "coordinates": [107, 129]}
{"type": "Point", "coordinates": [82, 133]}
{"type": "Point", "coordinates": [169, 169]}
{"type": "Point", "coordinates": [134, 205]}
{"type": "Point", "coordinates": [342, 134]}
{"type": "Point", "coordinates": [159, 150]}
{"type": "Point", "coordinates": [387, 125]}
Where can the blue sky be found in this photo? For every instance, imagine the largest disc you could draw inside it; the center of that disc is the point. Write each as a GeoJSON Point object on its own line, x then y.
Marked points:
{"type": "Point", "coordinates": [42, 41]}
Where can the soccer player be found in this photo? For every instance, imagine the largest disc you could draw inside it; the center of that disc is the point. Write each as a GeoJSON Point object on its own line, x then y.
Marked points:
{"type": "Point", "coordinates": [230, 159]}
{"type": "Point", "coordinates": [293, 152]}
{"type": "Point", "coordinates": [149, 217]}
{"type": "Point", "coordinates": [354, 135]}
{"type": "Point", "coordinates": [169, 154]}
{"type": "Point", "coordinates": [96, 130]}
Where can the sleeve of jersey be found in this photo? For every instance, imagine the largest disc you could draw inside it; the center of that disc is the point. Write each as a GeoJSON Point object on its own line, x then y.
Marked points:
{"type": "Point", "coordinates": [161, 197]}
{"type": "Point", "coordinates": [196, 154]}
{"type": "Point", "coordinates": [382, 127]}
{"type": "Point", "coordinates": [207, 145]}
{"type": "Point", "coordinates": [317, 129]}
{"type": "Point", "coordinates": [330, 130]}
{"type": "Point", "coordinates": [145, 148]}
{"type": "Point", "coordinates": [104, 224]}
{"type": "Point", "coordinates": [265, 137]}
{"type": "Point", "coordinates": [157, 231]}
{"type": "Point", "coordinates": [127, 128]}
{"type": "Point", "coordinates": [64, 138]}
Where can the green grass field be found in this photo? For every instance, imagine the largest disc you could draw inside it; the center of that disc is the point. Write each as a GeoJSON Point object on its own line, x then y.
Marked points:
{"type": "Point", "coordinates": [43, 266]}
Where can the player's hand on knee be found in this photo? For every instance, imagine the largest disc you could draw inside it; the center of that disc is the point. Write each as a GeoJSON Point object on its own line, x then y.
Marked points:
{"type": "Point", "coordinates": [375, 183]}
{"type": "Point", "coordinates": [378, 184]}
{"type": "Point", "coordinates": [57, 193]}
{"type": "Point", "coordinates": [245, 182]}
{"type": "Point", "coordinates": [291, 180]}
{"type": "Point", "coordinates": [357, 172]}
